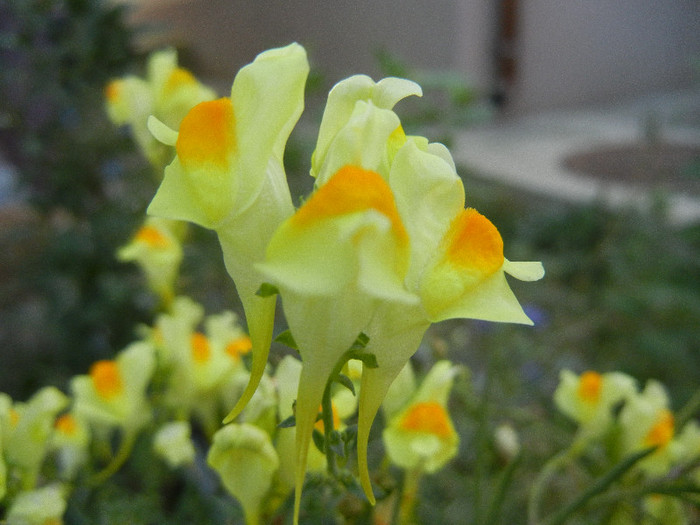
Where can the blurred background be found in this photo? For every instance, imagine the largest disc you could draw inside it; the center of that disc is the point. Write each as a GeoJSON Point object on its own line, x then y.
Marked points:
{"type": "Point", "coordinates": [575, 125]}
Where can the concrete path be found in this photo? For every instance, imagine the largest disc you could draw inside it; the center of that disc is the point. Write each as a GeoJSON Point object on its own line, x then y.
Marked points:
{"type": "Point", "coordinates": [527, 152]}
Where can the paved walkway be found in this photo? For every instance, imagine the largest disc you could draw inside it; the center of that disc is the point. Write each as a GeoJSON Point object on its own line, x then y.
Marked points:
{"type": "Point", "coordinates": [527, 152]}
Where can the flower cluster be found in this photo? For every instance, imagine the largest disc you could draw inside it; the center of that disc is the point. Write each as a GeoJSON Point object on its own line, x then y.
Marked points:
{"type": "Point", "coordinates": [382, 248]}
{"type": "Point", "coordinates": [655, 453]}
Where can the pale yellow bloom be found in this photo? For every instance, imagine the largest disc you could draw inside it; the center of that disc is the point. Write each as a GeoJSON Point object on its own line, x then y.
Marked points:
{"type": "Point", "coordinates": [113, 393]}
{"type": "Point", "coordinates": [590, 398]}
{"type": "Point", "coordinates": [157, 250]}
{"type": "Point", "coordinates": [421, 435]}
{"type": "Point", "coordinates": [168, 92]}
{"type": "Point", "coordinates": [228, 175]}
{"type": "Point", "coordinates": [246, 461]}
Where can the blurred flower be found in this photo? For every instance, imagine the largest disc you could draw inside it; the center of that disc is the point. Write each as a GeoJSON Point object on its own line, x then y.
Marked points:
{"type": "Point", "coordinates": [43, 506]}
{"type": "Point", "coordinates": [172, 443]}
{"type": "Point", "coordinates": [646, 421]}
{"type": "Point", "coordinates": [421, 435]}
{"type": "Point", "coordinates": [157, 250]}
{"type": "Point", "coordinates": [228, 175]}
{"type": "Point", "coordinates": [70, 441]}
{"type": "Point", "coordinates": [168, 92]}
{"type": "Point", "coordinates": [198, 364]}
{"type": "Point", "coordinates": [507, 442]}
{"type": "Point", "coordinates": [26, 429]}
{"type": "Point", "coordinates": [113, 394]}
{"type": "Point", "coordinates": [246, 461]}
{"type": "Point", "coordinates": [589, 398]}
{"type": "Point", "coordinates": [664, 510]}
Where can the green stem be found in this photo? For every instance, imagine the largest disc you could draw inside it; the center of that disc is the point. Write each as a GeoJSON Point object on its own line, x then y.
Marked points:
{"type": "Point", "coordinates": [481, 440]}
{"type": "Point", "coordinates": [409, 496]}
{"type": "Point", "coordinates": [598, 486]}
{"type": "Point", "coordinates": [327, 415]}
{"type": "Point", "coordinates": [550, 468]}
{"type": "Point", "coordinates": [125, 448]}
{"type": "Point", "coordinates": [502, 488]}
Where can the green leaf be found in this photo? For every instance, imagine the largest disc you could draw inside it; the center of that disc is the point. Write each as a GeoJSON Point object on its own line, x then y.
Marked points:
{"type": "Point", "coordinates": [319, 440]}
{"type": "Point", "coordinates": [346, 382]}
{"type": "Point", "coordinates": [597, 487]}
{"type": "Point", "coordinates": [286, 339]}
{"type": "Point", "coordinates": [267, 290]}
{"type": "Point", "coordinates": [290, 422]}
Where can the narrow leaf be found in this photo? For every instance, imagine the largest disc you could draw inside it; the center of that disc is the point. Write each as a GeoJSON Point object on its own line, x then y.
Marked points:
{"type": "Point", "coordinates": [346, 382]}
{"type": "Point", "coordinates": [286, 339]}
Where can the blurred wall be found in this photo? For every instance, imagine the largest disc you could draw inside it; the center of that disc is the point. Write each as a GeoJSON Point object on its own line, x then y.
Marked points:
{"type": "Point", "coordinates": [571, 53]}
{"type": "Point", "coordinates": [566, 53]}
{"type": "Point", "coordinates": [341, 37]}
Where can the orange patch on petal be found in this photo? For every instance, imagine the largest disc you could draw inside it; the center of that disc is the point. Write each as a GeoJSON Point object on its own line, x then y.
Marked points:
{"type": "Point", "coordinates": [352, 190]}
{"type": "Point", "coordinates": [106, 378]}
{"type": "Point", "coordinates": [113, 91]}
{"type": "Point", "coordinates": [589, 387]}
{"type": "Point", "coordinates": [474, 243]}
{"type": "Point", "coordinates": [662, 431]}
{"type": "Point", "coordinates": [201, 351]}
{"type": "Point", "coordinates": [66, 424]}
{"type": "Point", "coordinates": [207, 135]}
{"type": "Point", "coordinates": [429, 418]}
{"type": "Point", "coordinates": [238, 347]}
{"type": "Point", "coordinates": [14, 417]}
{"type": "Point", "coordinates": [152, 237]}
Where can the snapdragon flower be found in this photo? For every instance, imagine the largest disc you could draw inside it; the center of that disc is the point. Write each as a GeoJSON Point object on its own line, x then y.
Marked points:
{"type": "Point", "coordinates": [228, 175]}
{"type": "Point", "coordinates": [246, 461]}
{"type": "Point", "coordinates": [168, 92]}
{"type": "Point", "coordinates": [26, 429]}
{"type": "Point", "coordinates": [157, 249]}
{"type": "Point", "coordinates": [384, 246]}
{"type": "Point", "coordinates": [421, 436]}
{"type": "Point", "coordinates": [113, 393]}
{"type": "Point", "coordinates": [589, 398]}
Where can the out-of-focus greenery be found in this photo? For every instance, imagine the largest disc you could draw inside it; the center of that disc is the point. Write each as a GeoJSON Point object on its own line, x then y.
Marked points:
{"type": "Point", "coordinates": [64, 300]}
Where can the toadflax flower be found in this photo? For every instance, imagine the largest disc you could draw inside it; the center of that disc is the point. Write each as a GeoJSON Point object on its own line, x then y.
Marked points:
{"type": "Point", "coordinates": [42, 506]}
{"type": "Point", "coordinates": [167, 91]}
{"type": "Point", "coordinates": [113, 393]}
{"type": "Point", "coordinates": [246, 461]}
{"type": "Point", "coordinates": [421, 436]}
{"type": "Point", "coordinates": [156, 248]}
{"type": "Point", "coordinates": [383, 246]}
{"type": "Point", "coordinates": [589, 398]}
{"type": "Point", "coordinates": [228, 175]}
{"type": "Point", "coordinates": [646, 421]}
{"type": "Point", "coordinates": [26, 430]}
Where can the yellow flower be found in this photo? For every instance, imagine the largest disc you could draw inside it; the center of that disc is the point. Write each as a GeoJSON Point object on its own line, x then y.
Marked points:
{"type": "Point", "coordinates": [26, 431]}
{"type": "Point", "coordinates": [157, 250]}
{"type": "Point", "coordinates": [383, 246]}
{"type": "Point", "coordinates": [168, 92]}
{"type": "Point", "coordinates": [646, 421]}
{"type": "Point", "coordinates": [70, 441]}
{"type": "Point", "coordinates": [421, 435]}
{"type": "Point", "coordinates": [589, 398]}
{"type": "Point", "coordinates": [198, 363]}
{"type": "Point", "coordinates": [246, 461]}
{"type": "Point", "coordinates": [42, 506]}
{"type": "Point", "coordinates": [228, 175]}
{"type": "Point", "coordinates": [113, 394]}
{"type": "Point", "coordinates": [172, 443]}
